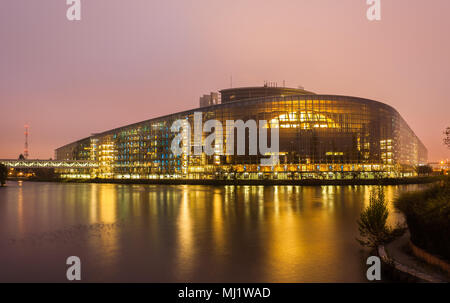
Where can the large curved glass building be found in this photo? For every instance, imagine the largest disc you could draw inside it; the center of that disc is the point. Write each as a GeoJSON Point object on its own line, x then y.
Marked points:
{"type": "Point", "coordinates": [320, 136]}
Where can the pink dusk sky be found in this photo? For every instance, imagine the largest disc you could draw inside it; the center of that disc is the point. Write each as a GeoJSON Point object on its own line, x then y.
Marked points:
{"type": "Point", "coordinates": [128, 61]}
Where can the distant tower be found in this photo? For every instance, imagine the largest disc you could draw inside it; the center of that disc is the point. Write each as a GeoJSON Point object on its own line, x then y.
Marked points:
{"type": "Point", "coordinates": [25, 151]}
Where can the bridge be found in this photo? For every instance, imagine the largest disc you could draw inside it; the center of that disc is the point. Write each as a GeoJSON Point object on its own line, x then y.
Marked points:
{"type": "Point", "coordinates": [48, 163]}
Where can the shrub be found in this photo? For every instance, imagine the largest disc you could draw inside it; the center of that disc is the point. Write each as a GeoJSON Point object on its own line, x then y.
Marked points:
{"type": "Point", "coordinates": [428, 217]}
{"type": "Point", "coordinates": [3, 174]}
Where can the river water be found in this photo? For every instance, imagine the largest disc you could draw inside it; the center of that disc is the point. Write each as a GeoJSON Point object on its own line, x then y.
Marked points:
{"type": "Point", "coordinates": [163, 233]}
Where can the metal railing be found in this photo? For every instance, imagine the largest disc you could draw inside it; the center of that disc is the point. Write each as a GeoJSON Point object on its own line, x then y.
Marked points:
{"type": "Point", "coordinates": [48, 163]}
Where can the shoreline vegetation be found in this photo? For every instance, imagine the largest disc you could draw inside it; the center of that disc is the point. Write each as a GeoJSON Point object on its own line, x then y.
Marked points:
{"type": "Point", "coordinates": [305, 182]}
{"type": "Point", "coordinates": [427, 215]}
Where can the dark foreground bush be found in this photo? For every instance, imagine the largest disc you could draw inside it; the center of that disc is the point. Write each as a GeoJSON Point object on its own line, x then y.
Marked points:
{"type": "Point", "coordinates": [3, 174]}
{"type": "Point", "coordinates": [428, 217]}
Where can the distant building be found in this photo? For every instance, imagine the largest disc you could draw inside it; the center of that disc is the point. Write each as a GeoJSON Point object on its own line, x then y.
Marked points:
{"type": "Point", "coordinates": [442, 166]}
{"type": "Point", "coordinates": [209, 100]}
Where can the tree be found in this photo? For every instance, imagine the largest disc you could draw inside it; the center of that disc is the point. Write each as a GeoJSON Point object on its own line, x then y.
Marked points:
{"type": "Point", "coordinates": [424, 169]}
{"type": "Point", "coordinates": [233, 172]}
{"type": "Point", "coordinates": [372, 222]}
{"type": "Point", "coordinates": [447, 137]}
{"type": "Point", "coordinates": [3, 174]}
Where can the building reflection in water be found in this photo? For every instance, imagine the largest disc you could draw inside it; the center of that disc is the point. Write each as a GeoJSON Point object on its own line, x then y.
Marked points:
{"type": "Point", "coordinates": [150, 233]}
{"type": "Point", "coordinates": [20, 218]}
{"type": "Point", "coordinates": [219, 226]}
{"type": "Point", "coordinates": [185, 226]}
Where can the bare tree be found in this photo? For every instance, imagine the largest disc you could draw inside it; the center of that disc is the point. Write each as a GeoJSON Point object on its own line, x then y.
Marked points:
{"type": "Point", "coordinates": [424, 170]}
{"type": "Point", "coordinates": [447, 137]}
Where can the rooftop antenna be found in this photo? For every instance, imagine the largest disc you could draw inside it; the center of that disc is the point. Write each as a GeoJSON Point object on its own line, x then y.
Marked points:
{"type": "Point", "coordinates": [231, 81]}
{"type": "Point", "coordinates": [25, 151]}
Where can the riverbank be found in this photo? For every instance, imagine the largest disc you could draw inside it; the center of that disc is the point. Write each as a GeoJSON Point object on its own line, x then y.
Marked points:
{"type": "Point", "coordinates": [422, 254]}
{"type": "Point", "coordinates": [401, 264]}
{"type": "Point", "coordinates": [304, 182]}
{"type": "Point", "coordinates": [427, 215]}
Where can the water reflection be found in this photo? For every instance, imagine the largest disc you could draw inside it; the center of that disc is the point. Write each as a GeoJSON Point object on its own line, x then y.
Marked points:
{"type": "Point", "coordinates": [152, 233]}
{"type": "Point", "coordinates": [20, 221]}
{"type": "Point", "coordinates": [185, 237]}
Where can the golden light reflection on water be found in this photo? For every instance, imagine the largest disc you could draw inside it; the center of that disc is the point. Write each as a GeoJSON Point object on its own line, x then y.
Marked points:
{"type": "Point", "coordinates": [218, 224]}
{"type": "Point", "coordinates": [93, 209]}
{"type": "Point", "coordinates": [285, 245]}
{"type": "Point", "coordinates": [21, 220]}
{"type": "Point", "coordinates": [298, 233]}
{"type": "Point", "coordinates": [104, 242]}
{"type": "Point", "coordinates": [107, 204]}
{"type": "Point", "coordinates": [199, 233]}
{"type": "Point", "coordinates": [185, 236]}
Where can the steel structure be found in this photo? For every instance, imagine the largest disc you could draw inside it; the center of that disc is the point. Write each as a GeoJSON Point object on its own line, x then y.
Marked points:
{"type": "Point", "coordinates": [25, 150]}
{"type": "Point", "coordinates": [48, 164]}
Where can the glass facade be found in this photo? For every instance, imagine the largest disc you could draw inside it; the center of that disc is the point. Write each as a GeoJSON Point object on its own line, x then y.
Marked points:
{"type": "Point", "coordinates": [321, 136]}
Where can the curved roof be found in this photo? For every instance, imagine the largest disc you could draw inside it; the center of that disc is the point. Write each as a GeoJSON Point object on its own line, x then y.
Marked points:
{"type": "Point", "coordinates": [282, 93]}
{"type": "Point", "coordinates": [242, 93]}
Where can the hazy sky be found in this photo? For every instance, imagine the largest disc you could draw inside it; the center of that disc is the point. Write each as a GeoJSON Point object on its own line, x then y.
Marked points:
{"type": "Point", "coordinates": [128, 61]}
